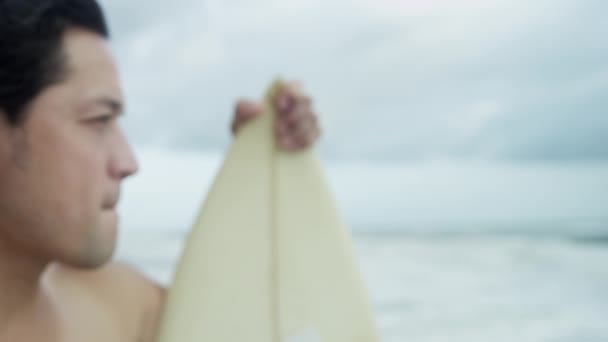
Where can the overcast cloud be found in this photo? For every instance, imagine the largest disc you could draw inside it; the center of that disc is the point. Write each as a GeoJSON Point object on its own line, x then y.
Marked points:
{"type": "Point", "coordinates": [393, 79]}
{"type": "Point", "coordinates": [429, 107]}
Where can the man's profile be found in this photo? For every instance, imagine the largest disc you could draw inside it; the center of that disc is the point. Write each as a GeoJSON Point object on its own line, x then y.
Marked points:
{"type": "Point", "coordinates": [63, 157]}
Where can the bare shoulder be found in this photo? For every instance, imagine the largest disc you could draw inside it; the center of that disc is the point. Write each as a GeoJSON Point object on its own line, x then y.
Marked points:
{"type": "Point", "coordinates": [114, 280]}
{"type": "Point", "coordinates": [118, 288]}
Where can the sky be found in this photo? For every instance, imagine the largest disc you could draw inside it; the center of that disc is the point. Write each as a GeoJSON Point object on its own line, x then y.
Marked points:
{"type": "Point", "coordinates": [431, 110]}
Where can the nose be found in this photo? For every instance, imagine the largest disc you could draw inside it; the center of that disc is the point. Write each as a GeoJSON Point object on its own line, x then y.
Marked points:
{"type": "Point", "coordinates": [123, 163]}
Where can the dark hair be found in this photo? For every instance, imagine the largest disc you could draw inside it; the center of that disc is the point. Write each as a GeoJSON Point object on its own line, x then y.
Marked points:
{"type": "Point", "coordinates": [31, 36]}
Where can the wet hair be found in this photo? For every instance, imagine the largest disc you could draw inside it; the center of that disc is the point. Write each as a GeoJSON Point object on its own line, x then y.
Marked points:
{"type": "Point", "coordinates": [31, 49]}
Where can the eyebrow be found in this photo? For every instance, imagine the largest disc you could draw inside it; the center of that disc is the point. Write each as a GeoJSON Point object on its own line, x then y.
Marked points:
{"type": "Point", "coordinates": [115, 105]}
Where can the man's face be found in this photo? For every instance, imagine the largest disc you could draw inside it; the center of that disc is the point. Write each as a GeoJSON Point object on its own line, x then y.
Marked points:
{"type": "Point", "coordinates": [61, 169]}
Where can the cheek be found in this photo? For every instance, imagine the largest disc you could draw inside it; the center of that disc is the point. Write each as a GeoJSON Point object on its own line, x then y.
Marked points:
{"type": "Point", "coordinates": [54, 198]}
{"type": "Point", "coordinates": [70, 176]}
{"type": "Point", "coordinates": [80, 178]}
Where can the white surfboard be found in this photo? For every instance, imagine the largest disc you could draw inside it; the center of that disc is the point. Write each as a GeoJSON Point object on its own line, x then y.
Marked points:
{"type": "Point", "coordinates": [268, 259]}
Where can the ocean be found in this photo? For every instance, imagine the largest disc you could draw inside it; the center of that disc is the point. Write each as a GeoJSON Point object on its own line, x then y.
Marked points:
{"type": "Point", "coordinates": [442, 286]}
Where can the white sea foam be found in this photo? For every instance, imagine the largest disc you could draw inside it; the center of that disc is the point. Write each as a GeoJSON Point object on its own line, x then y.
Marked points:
{"type": "Point", "coordinates": [471, 288]}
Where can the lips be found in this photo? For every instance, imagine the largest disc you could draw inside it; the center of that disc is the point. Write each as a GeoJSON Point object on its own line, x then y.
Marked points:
{"type": "Point", "coordinates": [109, 206]}
{"type": "Point", "coordinates": [111, 202]}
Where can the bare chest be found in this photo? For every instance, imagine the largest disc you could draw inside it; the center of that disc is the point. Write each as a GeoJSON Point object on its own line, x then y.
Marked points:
{"type": "Point", "coordinates": [87, 322]}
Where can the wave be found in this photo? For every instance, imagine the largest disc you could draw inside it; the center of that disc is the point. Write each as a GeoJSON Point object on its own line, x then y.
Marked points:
{"type": "Point", "coordinates": [593, 230]}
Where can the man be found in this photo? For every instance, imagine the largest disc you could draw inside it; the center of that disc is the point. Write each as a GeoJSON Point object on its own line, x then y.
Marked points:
{"type": "Point", "coordinates": [62, 159]}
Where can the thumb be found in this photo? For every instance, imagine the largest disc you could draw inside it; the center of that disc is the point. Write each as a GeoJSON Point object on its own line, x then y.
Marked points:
{"type": "Point", "coordinates": [246, 110]}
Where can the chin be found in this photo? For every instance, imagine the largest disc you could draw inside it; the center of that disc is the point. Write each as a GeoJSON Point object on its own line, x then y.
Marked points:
{"type": "Point", "coordinates": [94, 257]}
{"type": "Point", "coordinates": [98, 247]}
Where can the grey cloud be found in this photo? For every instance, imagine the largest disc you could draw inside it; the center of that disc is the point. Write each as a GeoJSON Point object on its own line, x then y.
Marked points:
{"type": "Point", "coordinates": [127, 18]}
{"type": "Point", "coordinates": [561, 129]}
{"type": "Point", "coordinates": [518, 81]}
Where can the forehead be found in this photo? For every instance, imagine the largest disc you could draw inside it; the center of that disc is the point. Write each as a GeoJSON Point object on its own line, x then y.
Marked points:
{"type": "Point", "coordinates": [90, 64]}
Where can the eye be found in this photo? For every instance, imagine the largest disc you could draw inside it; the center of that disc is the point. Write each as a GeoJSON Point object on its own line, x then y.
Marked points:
{"type": "Point", "coordinates": [102, 119]}
{"type": "Point", "coordinates": [101, 123]}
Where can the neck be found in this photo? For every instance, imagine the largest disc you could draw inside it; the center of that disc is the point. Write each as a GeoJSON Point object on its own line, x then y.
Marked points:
{"type": "Point", "coordinates": [20, 281]}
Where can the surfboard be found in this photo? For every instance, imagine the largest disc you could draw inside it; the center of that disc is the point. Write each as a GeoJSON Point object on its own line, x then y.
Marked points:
{"type": "Point", "coordinates": [269, 258]}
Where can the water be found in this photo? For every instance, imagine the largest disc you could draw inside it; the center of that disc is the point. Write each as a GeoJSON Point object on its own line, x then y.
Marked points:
{"type": "Point", "coordinates": [470, 287]}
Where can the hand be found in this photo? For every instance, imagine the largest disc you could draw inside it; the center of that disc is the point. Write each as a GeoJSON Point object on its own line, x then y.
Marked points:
{"type": "Point", "coordinates": [297, 125]}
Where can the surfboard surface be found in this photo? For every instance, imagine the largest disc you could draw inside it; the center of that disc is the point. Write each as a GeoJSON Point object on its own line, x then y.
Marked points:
{"type": "Point", "coordinates": [268, 258]}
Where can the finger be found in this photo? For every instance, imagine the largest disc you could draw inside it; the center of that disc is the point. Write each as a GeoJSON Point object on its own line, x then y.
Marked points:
{"type": "Point", "coordinates": [287, 97]}
{"type": "Point", "coordinates": [282, 128]}
{"type": "Point", "coordinates": [298, 128]}
{"type": "Point", "coordinates": [306, 131]}
{"type": "Point", "coordinates": [300, 135]}
{"type": "Point", "coordinates": [245, 111]}
{"type": "Point", "coordinates": [288, 124]}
